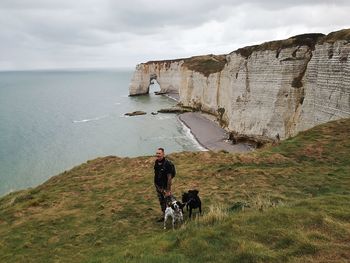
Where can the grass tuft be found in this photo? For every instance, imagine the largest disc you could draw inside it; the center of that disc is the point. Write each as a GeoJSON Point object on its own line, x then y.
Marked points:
{"type": "Point", "coordinates": [216, 214]}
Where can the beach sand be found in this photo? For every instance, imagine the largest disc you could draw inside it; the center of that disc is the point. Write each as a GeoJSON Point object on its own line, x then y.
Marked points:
{"type": "Point", "coordinates": [209, 134]}
{"type": "Point", "coordinates": [207, 131]}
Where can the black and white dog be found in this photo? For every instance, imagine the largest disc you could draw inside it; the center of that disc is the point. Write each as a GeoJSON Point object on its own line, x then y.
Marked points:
{"type": "Point", "coordinates": [174, 210]}
{"type": "Point", "coordinates": [192, 201]}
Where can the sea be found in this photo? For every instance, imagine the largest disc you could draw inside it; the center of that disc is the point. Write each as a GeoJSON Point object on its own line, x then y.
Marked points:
{"type": "Point", "coordinates": [53, 120]}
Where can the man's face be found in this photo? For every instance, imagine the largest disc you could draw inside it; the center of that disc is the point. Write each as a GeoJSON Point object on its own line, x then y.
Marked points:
{"type": "Point", "coordinates": [159, 155]}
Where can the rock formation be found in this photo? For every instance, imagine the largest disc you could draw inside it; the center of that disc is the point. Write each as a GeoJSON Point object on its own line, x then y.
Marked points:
{"type": "Point", "coordinates": [275, 89]}
{"type": "Point", "coordinates": [135, 113]}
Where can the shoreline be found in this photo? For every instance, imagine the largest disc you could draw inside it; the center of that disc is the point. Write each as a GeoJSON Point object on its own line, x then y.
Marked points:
{"type": "Point", "coordinates": [192, 136]}
{"type": "Point", "coordinates": [206, 131]}
{"type": "Point", "coordinates": [173, 95]}
{"type": "Point", "coordinates": [209, 134]}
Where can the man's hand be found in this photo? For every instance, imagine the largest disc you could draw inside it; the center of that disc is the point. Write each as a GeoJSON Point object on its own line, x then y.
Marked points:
{"type": "Point", "coordinates": [167, 193]}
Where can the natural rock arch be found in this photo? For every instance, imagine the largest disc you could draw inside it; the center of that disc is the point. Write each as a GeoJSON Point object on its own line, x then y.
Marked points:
{"type": "Point", "coordinates": [153, 83]}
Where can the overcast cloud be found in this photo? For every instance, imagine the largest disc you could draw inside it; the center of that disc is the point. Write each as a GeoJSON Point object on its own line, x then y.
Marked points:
{"type": "Point", "coordinates": [38, 34]}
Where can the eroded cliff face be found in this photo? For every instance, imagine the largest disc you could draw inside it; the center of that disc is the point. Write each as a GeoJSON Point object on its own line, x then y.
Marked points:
{"type": "Point", "coordinates": [273, 90]}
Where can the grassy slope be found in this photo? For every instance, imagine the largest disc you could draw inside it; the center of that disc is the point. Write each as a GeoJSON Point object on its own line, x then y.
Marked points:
{"type": "Point", "coordinates": [103, 211]}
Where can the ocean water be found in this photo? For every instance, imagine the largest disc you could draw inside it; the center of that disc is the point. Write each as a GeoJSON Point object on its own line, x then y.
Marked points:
{"type": "Point", "coordinates": [51, 121]}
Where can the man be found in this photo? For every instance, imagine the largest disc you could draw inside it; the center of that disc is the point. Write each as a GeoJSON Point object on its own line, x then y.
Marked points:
{"type": "Point", "coordinates": [162, 179]}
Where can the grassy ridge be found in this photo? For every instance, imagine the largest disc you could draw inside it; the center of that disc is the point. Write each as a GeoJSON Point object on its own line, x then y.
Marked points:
{"type": "Point", "coordinates": [295, 195]}
{"type": "Point", "coordinates": [205, 64]}
{"type": "Point", "coordinates": [309, 40]}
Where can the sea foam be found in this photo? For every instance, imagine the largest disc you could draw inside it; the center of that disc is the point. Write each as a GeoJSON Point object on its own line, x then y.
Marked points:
{"type": "Point", "coordinates": [92, 119]}
{"type": "Point", "coordinates": [190, 135]}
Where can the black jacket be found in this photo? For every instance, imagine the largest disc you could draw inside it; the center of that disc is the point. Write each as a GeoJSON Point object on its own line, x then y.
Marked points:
{"type": "Point", "coordinates": [161, 171]}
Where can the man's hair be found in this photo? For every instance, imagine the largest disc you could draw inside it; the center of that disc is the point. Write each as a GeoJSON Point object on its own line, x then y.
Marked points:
{"type": "Point", "coordinates": [162, 149]}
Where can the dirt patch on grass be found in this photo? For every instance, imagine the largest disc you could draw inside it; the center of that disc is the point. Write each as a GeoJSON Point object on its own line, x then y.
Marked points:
{"type": "Point", "coordinates": [313, 151]}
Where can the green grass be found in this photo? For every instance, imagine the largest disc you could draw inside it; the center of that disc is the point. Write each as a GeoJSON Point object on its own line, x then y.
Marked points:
{"type": "Point", "coordinates": [284, 203]}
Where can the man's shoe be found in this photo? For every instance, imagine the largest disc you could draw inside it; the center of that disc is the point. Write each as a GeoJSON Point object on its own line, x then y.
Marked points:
{"type": "Point", "coordinates": [160, 220]}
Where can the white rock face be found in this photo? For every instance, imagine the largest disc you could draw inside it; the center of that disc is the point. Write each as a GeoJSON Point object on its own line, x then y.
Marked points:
{"type": "Point", "coordinates": [327, 86]}
{"type": "Point", "coordinates": [169, 75]}
{"type": "Point", "coordinates": [268, 93]}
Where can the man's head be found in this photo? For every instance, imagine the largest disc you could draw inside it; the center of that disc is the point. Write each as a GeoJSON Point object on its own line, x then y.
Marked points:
{"type": "Point", "coordinates": [160, 154]}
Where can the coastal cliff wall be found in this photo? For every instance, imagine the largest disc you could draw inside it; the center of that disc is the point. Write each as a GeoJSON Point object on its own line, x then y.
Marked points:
{"type": "Point", "coordinates": [275, 89]}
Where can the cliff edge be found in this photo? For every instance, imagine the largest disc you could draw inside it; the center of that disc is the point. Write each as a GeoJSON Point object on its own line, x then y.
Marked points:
{"type": "Point", "coordinates": [275, 89]}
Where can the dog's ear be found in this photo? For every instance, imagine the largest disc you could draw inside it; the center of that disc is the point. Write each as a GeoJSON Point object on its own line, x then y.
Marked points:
{"type": "Point", "coordinates": [182, 205]}
{"type": "Point", "coordinates": [195, 192]}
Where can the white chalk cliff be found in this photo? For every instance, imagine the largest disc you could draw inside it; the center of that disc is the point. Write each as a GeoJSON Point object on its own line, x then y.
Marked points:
{"type": "Point", "coordinates": [279, 87]}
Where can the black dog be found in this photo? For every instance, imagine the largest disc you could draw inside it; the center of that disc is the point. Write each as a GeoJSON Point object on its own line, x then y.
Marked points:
{"type": "Point", "coordinates": [192, 201]}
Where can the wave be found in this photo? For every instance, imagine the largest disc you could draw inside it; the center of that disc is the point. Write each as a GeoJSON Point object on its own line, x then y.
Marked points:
{"type": "Point", "coordinates": [125, 116]}
{"type": "Point", "coordinates": [88, 120]}
{"type": "Point", "coordinates": [190, 135]}
{"type": "Point", "coordinates": [164, 117]}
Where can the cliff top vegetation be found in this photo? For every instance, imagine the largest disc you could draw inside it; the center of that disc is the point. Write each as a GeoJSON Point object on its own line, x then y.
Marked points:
{"type": "Point", "coordinates": [337, 35]}
{"type": "Point", "coordinates": [284, 203]}
{"type": "Point", "coordinates": [309, 40]}
{"type": "Point", "coordinates": [205, 65]}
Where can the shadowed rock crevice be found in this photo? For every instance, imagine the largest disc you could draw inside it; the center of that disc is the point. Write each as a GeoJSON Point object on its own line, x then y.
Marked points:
{"type": "Point", "coordinates": [297, 81]}
{"type": "Point", "coordinates": [298, 97]}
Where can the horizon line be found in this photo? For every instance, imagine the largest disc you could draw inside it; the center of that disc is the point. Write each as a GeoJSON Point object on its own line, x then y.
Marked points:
{"type": "Point", "coordinates": [68, 69]}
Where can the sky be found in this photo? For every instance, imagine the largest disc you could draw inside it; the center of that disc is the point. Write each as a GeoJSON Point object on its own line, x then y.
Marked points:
{"type": "Point", "coordinates": [56, 34]}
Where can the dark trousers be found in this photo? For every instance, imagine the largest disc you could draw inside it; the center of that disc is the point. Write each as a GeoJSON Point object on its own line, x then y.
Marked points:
{"type": "Point", "coordinates": [164, 200]}
{"type": "Point", "coordinates": [161, 199]}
